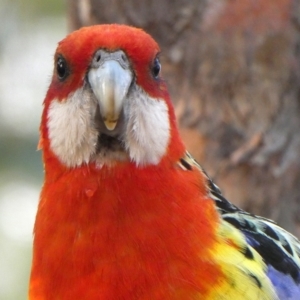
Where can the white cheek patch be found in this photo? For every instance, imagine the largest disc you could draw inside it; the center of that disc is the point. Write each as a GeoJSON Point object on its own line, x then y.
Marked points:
{"type": "Point", "coordinates": [72, 136]}
{"type": "Point", "coordinates": [148, 130]}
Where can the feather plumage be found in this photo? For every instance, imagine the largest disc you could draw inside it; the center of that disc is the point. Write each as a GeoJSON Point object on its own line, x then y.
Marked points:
{"type": "Point", "coordinates": [125, 212]}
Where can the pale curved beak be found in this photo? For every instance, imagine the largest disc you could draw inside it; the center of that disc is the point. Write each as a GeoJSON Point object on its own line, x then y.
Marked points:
{"type": "Point", "coordinates": [110, 83]}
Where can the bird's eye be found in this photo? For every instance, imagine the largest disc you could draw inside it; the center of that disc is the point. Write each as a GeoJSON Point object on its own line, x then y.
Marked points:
{"type": "Point", "coordinates": [61, 68]}
{"type": "Point", "coordinates": [156, 67]}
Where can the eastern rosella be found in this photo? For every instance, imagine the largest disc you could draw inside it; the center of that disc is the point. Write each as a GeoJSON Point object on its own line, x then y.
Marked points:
{"type": "Point", "coordinates": [125, 212]}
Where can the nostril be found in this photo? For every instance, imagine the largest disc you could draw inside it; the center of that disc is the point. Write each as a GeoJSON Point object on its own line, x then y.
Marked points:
{"type": "Point", "coordinates": [123, 57]}
{"type": "Point", "coordinates": [98, 57]}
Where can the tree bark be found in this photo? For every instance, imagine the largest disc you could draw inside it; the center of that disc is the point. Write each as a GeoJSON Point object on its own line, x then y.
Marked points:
{"type": "Point", "coordinates": [233, 70]}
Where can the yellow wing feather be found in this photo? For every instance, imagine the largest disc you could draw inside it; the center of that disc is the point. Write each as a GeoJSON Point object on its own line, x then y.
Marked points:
{"type": "Point", "coordinates": [245, 272]}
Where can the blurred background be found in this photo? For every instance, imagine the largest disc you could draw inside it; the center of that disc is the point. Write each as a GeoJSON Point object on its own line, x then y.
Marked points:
{"type": "Point", "coordinates": [233, 69]}
{"type": "Point", "coordinates": [29, 33]}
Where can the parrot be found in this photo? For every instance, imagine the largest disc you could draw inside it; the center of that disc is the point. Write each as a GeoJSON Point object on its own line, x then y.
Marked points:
{"type": "Point", "coordinates": [125, 211]}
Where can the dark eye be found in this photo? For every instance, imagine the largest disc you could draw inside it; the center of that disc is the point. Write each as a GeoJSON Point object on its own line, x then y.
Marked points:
{"type": "Point", "coordinates": [61, 68]}
{"type": "Point", "coordinates": [156, 67]}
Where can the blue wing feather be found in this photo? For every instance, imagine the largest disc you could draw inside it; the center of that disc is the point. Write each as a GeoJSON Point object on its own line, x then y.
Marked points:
{"type": "Point", "coordinates": [285, 286]}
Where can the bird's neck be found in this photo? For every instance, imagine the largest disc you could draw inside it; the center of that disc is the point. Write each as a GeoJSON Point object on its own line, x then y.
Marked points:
{"type": "Point", "coordinates": [123, 231]}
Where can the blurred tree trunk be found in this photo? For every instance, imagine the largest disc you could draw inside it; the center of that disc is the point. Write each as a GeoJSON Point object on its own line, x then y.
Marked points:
{"type": "Point", "coordinates": [233, 69]}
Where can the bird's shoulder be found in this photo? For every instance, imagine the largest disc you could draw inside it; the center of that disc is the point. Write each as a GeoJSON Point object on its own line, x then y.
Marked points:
{"type": "Point", "coordinates": [279, 249]}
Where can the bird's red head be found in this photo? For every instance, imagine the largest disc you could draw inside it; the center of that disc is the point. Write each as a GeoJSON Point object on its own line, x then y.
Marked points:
{"type": "Point", "coordinates": [107, 102]}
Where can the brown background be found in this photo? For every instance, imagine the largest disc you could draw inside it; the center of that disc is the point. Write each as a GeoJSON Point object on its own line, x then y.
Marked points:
{"type": "Point", "coordinates": [233, 70]}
